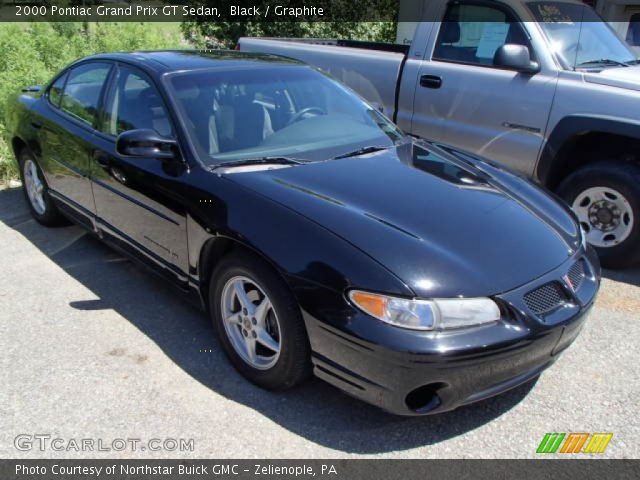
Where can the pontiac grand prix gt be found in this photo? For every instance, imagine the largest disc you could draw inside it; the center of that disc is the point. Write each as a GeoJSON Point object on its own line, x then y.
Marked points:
{"type": "Point", "coordinates": [317, 235]}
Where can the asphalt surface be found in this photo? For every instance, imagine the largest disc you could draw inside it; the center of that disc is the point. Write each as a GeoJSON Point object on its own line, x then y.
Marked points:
{"type": "Point", "coordinates": [95, 347]}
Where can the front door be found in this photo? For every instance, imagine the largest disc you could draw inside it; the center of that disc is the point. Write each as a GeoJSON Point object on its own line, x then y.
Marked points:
{"type": "Point", "coordinates": [139, 200]}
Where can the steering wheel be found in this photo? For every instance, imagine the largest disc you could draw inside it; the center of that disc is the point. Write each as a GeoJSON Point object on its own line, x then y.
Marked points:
{"type": "Point", "coordinates": [299, 115]}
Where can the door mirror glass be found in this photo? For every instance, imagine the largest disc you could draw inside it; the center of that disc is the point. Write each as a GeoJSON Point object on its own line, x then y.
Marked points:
{"type": "Point", "coordinates": [146, 143]}
{"type": "Point", "coordinates": [515, 57]}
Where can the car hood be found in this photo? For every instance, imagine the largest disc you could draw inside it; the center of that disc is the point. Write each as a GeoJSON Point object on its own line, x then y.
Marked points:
{"type": "Point", "coordinates": [443, 226]}
{"type": "Point", "coordinates": [622, 77]}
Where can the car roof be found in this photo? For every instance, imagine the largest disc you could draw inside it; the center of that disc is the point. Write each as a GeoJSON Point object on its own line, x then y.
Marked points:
{"type": "Point", "coordinates": [163, 61]}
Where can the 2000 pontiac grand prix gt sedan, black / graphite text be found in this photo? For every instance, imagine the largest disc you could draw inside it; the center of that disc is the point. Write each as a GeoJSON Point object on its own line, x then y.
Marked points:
{"type": "Point", "coordinates": [316, 234]}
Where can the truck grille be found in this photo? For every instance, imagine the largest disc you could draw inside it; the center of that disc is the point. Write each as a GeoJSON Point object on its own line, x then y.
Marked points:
{"type": "Point", "coordinates": [545, 299]}
{"type": "Point", "coordinates": [576, 275]}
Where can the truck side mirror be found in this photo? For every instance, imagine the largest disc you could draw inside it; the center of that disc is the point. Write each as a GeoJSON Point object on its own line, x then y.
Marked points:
{"type": "Point", "coordinates": [515, 57]}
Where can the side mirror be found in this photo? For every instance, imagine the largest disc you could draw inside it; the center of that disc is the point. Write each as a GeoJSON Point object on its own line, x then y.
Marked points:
{"type": "Point", "coordinates": [147, 144]}
{"type": "Point", "coordinates": [32, 89]}
{"type": "Point", "coordinates": [515, 57]}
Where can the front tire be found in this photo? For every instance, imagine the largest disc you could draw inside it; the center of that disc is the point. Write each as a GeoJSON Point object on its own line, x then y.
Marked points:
{"type": "Point", "coordinates": [36, 192]}
{"type": "Point", "coordinates": [259, 323]}
{"type": "Point", "coordinates": [606, 199]}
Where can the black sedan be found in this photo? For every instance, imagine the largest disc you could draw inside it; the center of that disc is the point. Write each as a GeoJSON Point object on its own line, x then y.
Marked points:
{"type": "Point", "coordinates": [318, 237]}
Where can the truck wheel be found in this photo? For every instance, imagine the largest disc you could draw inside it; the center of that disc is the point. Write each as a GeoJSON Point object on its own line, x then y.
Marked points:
{"type": "Point", "coordinates": [36, 192]}
{"type": "Point", "coordinates": [606, 198]}
{"type": "Point", "coordinates": [259, 323]}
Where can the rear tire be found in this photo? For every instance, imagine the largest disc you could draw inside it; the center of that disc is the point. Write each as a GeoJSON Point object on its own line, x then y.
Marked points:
{"type": "Point", "coordinates": [259, 323]}
{"type": "Point", "coordinates": [606, 198]}
{"type": "Point", "coordinates": [36, 192]}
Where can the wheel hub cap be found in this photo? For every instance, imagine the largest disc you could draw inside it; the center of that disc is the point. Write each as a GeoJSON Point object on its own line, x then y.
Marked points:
{"type": "Point", "coordinates": [605, 215]}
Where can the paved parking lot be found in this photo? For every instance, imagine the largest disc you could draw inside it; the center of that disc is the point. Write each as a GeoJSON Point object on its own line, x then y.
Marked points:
{"type": "Point", "coordinates": [94, 347]}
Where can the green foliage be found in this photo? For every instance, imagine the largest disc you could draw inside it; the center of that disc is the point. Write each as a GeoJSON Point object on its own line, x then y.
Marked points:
{"type": "Point", "coordinates": [226, 34]}
{"type": "Point", "coordinates": [31, 53]}
{"type": "Point", "coordinates": [347, 19]}
{"type": "Point", "coordinates": [351, 25]}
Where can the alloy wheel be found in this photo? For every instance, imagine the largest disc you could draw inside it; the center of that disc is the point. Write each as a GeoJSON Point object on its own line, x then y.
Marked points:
{"type": "Point", "coordinates": [251, 323]}
{"type": "Point", "coordinates": [34, 187]}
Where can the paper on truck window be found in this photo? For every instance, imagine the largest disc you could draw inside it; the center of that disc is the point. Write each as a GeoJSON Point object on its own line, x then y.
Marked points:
{"type": "Point", "coordinates": [493, 37]}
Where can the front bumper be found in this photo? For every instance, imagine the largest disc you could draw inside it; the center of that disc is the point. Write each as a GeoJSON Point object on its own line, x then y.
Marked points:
{"type": "Point", "coordinates": [415, 373]}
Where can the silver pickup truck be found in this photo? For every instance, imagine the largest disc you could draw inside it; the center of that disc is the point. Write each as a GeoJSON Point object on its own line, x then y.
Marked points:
{"type": "Point", "coordinates": [544, 87]}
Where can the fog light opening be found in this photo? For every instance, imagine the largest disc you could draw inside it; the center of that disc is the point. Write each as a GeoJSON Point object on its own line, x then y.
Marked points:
{"type": "Point", "coordinates": [425, 398]}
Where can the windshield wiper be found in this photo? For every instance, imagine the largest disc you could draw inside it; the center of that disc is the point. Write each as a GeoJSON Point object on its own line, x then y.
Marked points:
{"type": "Point", "coordinates": [260, 161]}
{"type": "Point", "coordinates": [602, 61]}
{"type": "Point", "coordinates": [361, 151]}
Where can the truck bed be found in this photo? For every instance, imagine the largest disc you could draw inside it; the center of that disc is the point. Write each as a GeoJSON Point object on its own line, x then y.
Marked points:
{"type": "Point", "coordinates": [370, 68]}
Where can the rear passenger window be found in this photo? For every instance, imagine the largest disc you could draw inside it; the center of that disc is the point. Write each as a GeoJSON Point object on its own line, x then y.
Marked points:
{"type": "Point", "coordinates": [472, 33]}
{"type": "Point", "coordinates": [55, 91]}
{"type": "Point", "coordinates": [82, 91]}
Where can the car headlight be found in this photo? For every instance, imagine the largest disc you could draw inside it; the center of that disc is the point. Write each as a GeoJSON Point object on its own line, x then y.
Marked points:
{"type": "Point", "coordinates": [436, 314]}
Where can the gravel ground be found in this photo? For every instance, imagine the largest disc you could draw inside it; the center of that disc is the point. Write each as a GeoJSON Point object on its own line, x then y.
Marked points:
{"type": "Point", "coordinates": [94, 347]}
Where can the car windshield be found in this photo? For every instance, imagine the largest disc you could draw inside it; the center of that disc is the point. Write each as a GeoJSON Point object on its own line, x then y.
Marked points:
{"type": "Point", "coordinates": [579, 37]}
{"type": "Point", "coordinates": [267, 112]}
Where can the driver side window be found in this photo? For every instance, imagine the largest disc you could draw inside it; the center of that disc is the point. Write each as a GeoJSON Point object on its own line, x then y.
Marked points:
{"type": "Point", "coordinates": [472, 33]}
{"type": "Point", "coordinates": [135, 104]}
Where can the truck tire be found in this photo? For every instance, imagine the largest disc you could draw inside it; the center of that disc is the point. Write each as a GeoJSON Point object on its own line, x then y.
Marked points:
{"type": "Point", "coordinates": [605, 196]}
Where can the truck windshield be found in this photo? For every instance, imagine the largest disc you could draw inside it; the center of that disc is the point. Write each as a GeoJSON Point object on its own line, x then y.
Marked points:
{"type": "Point", "coordinates": [275, 111]}
{"type": "Point", "coordinates": [579, 37]}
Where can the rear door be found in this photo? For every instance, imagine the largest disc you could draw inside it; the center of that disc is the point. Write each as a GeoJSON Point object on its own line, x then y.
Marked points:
{"type": "Point", "coordinates": [498, 113]}
{"type": "Point", "coordinates": [66, 133]}
{"type": "Point", "coordinates": [139, 200]}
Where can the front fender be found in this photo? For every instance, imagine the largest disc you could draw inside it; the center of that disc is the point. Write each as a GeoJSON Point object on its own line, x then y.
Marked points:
{"type": "Point", "coordinates": [567, 131]}
{"type": "Point", "coordinates": [317, 264]}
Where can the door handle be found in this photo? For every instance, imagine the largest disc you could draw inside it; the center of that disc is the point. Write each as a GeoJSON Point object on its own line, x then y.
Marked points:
{"type": "Point", "coordinates": [102, 159]}
{"type": "Point", "coordinates": [36, 124]}
{"type": "Point", "coordinates": [430, 81]}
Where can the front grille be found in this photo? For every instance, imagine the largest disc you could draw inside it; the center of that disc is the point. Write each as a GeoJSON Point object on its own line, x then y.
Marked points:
{"type": "Point", "coordinates": [545, 299]}
{"type": "Point", "coordinates": [576, 275]}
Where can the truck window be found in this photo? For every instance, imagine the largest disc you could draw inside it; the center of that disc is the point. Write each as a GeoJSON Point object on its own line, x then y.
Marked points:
{"type": "Point", "coordinates": [578, 36]}
{"type": "Point", "coordinates": [633, 34]}
{"type": "Point", "coordinates": [472, 33]}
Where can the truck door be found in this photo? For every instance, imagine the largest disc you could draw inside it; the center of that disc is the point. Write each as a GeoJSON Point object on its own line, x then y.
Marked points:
{"type": "Point", "coordinates": [494, 112]}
